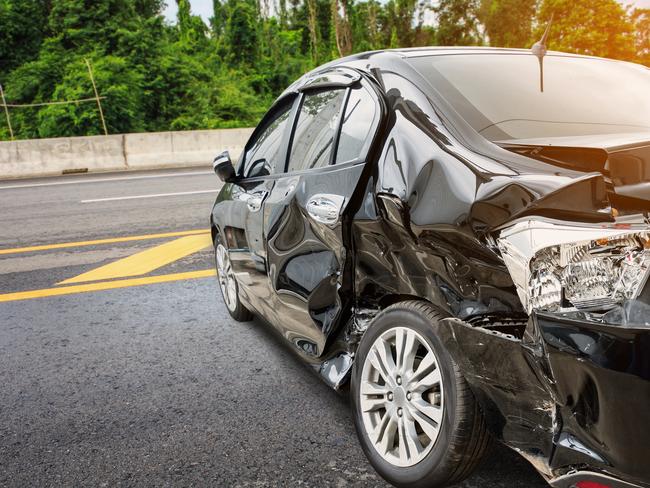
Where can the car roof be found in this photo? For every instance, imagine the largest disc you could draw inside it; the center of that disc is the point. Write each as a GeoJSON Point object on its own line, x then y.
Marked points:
{"type": "Point", "coordinates": [412, 52]}
{"type": "Point", "coordinates": [417, 52]}
{"type": "Point", "coordinates": [392, 58]}
{"type": "Point", "coordinates": [381, 58]}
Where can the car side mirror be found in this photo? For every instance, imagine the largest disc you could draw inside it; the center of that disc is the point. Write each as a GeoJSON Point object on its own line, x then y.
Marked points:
{"type": "Point", "coordinates": [223, 167]}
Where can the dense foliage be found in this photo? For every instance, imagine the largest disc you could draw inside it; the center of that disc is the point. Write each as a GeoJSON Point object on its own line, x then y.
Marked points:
{"type": "Point", "coordinates": [156, 75]}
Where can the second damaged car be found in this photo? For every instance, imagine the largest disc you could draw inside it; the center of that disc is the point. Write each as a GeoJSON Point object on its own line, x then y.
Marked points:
{"type": "Point", "coordinates": [461, 238]}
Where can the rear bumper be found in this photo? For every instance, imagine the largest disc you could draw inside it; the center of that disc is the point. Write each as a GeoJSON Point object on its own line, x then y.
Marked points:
{"type": "Point", "coordinates": [588, 479]}
{"type": "Point", "coordinates": [572, 396]}
{"type": "Point", "coordinates": [601, 384]}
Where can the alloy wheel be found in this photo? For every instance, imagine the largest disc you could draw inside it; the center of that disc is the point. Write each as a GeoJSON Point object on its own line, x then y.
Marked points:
{"type": "Point", "coordinates": [401, 396]}
{"type": "Point", "coordinates": [226, 277]}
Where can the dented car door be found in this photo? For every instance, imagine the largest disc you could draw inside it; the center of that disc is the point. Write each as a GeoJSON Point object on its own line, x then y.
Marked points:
{"type": "Point", "coordinates": [304, 215]}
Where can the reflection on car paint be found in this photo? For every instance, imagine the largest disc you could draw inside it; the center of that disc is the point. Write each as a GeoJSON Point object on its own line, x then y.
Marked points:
{"type": "Point", "coordinates": [422, 221]}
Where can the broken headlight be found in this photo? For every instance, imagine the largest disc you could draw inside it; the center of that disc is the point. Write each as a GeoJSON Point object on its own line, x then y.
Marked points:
{"type": "Point", "coordinates": [557, 267]}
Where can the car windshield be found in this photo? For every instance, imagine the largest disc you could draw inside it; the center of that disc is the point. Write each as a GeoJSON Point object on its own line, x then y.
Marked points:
{"type": "Point", "coordinates": [499, 94]}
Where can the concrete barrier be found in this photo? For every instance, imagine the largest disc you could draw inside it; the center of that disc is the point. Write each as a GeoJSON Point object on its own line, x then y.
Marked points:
{"type": "Point", "coordinates": [43, 157]}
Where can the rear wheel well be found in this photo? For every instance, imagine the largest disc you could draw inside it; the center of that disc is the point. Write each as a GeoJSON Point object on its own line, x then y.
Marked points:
{"type": "Point", "coordinates": [388, 300]}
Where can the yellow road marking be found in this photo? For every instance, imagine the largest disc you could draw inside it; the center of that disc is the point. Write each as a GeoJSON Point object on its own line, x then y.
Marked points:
{"type": "Point", "coordinates": [106, 285]}
{"type": "Point", "coordinates": [146, 261]}
{"type": "Point", "coordinates": [64, 245]}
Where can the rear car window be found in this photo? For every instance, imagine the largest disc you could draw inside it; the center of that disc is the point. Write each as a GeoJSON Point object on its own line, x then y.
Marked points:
{"type": "Point", "coordinates": [318, 121]}
{"type": "Point", "coordinates": [499, 94]}
{"type": "Point", "coordinates": [359, 121]}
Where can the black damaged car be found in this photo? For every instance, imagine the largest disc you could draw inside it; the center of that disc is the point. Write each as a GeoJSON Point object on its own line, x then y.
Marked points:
{"type": "Point", "coordinates": [463, 239]}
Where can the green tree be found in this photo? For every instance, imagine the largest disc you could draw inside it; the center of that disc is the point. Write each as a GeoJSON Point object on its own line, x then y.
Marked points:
{"type": "Point", "coordinates": [401, 14]}
{"type": "Point", "coordinates": [218, 19]}
{"type": "Point", "coordinates": [32, 82]}
{"type": "Point", "coordinates": [83, 26]}
{"type": "Point", "coordinates": [184, 17]}
{"type": "Point", "coordinates": [367, 26]}
{"type": "Point", "coordinates": [341, 27]}
{"type": "Point", "coordinates": [22, 28]}
{"type": "Point", "coordinates": [122, 106]}
{"type": "Point", "coordinates": [315, 41]}
{"type": "Point", "coordinates": [191, 27]}
{"type": "Point", "coordinates": [458, 23]}
{"type": "Point", "coordinates": [148, 8]}
{"type": "Point", "coordinates": [508, 23]}
{"type": "Point", "coordinates": [109, 31]}
{"type": "Point", "coordinates": [641, 19]}
{"type": "Point", "coordinates": [281, 59]}
{"type": "Point", "coordinates": [593, 27]}
{"type": "Point", "coordinates": [242, 32]}
{"type": "Point", "coordinates": [158, 75]}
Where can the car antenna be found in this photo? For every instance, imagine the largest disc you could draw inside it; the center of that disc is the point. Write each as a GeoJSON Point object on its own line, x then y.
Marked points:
{"type": "Point", "coordinates": [539, 50]}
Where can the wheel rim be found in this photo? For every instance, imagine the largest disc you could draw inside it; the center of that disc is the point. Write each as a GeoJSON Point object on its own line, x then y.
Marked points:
{"type": "Point", "coordinates": [401, 397]}
{"type": "Point", "coordinates": [226, 278]}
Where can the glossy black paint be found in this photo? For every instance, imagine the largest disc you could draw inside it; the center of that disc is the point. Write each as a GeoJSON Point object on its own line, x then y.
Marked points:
{"type": "Point", "coordinates": [417, 224]}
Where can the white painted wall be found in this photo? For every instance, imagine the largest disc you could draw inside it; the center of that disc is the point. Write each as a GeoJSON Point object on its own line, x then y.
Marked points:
{"type": "Point", "coordinates": [42, 157]}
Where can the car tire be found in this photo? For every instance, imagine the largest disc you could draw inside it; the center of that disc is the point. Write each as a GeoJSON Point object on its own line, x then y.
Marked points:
{"type": "Point", "coordinates": [228, 283]}
{"type": "Point", "coordinates": [427, 457]}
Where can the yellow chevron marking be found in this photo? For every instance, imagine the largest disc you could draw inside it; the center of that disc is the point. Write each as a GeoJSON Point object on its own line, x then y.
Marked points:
{"type": "Point", "coordinates": [146, 261]}
{"type": "Point", "coordinates": [64, 245]}
{"type": "Point", "coordinates": [106, 285]}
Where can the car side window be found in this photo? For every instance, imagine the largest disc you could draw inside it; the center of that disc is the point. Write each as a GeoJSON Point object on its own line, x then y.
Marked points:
{"type": "Point", "coordinates": [263, 156]}
{"type": "Point", "coordinates": [359, 122]}
{"type": "Point", "coordinates": [316, 128]}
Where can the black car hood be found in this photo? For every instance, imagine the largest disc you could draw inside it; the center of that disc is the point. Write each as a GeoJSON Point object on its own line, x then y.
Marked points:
{"type": "Point", "coordinates": [623, 159]}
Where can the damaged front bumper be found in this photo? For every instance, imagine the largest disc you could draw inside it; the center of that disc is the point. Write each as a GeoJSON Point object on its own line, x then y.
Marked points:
{"type": "Point", "coordinates": [571, 395]}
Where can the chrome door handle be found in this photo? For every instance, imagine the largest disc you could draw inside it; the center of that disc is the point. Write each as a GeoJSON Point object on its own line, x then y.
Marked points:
{"type": "Point", "coordinates": [325, 208]}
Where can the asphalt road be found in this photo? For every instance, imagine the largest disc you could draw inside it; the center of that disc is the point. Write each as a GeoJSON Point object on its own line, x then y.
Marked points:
{"type": "Point", "coordinates": [155, 385]}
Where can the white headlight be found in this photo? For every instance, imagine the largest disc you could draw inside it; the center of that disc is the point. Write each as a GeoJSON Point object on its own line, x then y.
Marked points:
{"type": "Point", "coordinates": [556, 266]}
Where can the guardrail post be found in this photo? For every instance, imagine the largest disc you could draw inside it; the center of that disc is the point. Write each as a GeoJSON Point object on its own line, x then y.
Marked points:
{"type": "Point", "coordinates": [4, 103]}
{"type": "Point", "coordinates": [99, 103]}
